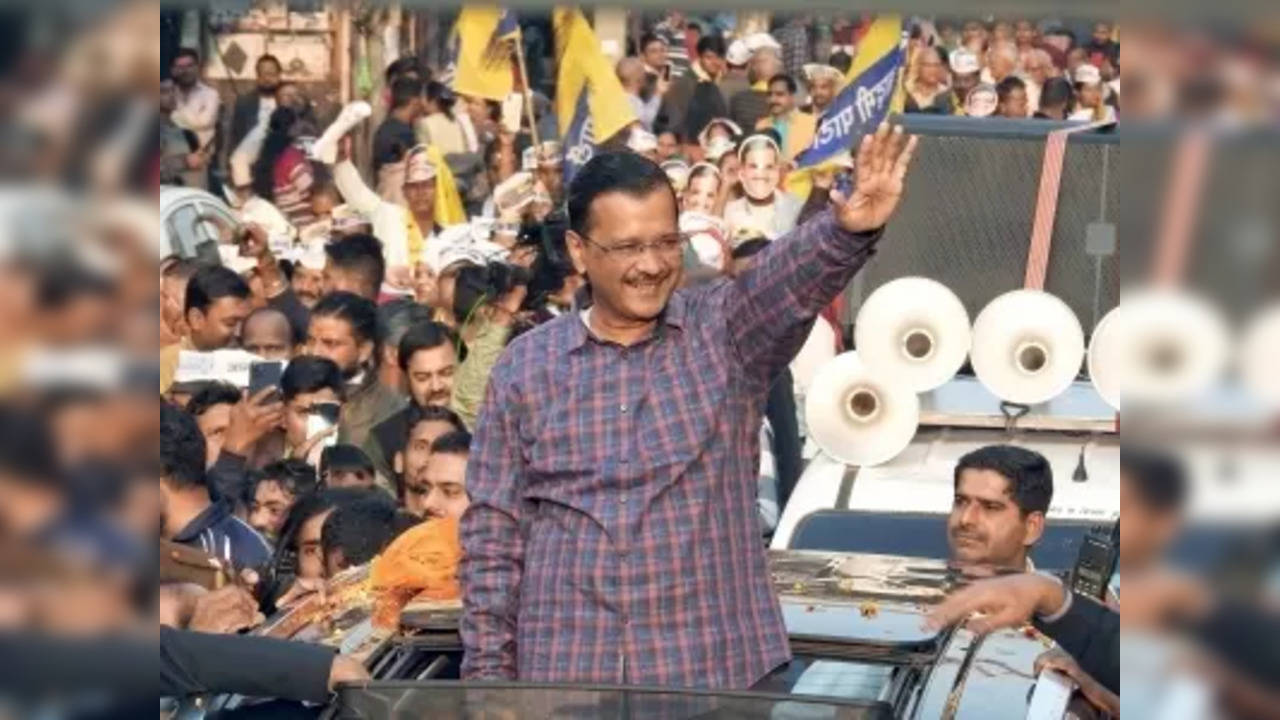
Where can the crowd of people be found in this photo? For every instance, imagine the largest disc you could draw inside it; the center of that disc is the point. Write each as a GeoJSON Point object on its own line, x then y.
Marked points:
{"type": "Point", "coordinates": [394, 299]}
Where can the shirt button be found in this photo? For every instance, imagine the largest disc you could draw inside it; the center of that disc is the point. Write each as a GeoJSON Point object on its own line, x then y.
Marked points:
{"type": "Point", "coordinates": [623, 407]}
{"type": "Point", "coordinates": [622, 499]}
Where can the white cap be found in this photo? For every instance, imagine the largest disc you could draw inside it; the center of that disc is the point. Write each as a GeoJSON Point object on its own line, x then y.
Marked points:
{"type": "Point", "coordinates": [738, 53]}
{"type": "Point", "coordinates": [813, 71]}
{"type": "Point", "coordinates": [677, 172]}
{"type": "Point", "coordinates": [718, 148]}
{"type": "Point", "coordinates": [964, 62]}
{"type": "Point", "coordinates": [759, 41]}
{"type": "Point", "coordinates": [418, 166]}
{"type": "Point", "coordinates": [456, 245]}
{"type": "Point", "coordinates": [1088, 74]}
{"type": "Point", "coordinates": [642, 141]}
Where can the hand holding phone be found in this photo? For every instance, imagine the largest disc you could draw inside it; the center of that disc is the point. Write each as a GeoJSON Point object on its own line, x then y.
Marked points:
{"type": "Point", "coordinates": [265, 375]}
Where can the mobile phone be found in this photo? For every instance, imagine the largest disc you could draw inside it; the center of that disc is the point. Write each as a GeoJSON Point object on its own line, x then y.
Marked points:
{"type": "Point", "coordinates": [322, 417]}
{"type": "Point", "coordinates": [263, 375]}
{"type": "Point", "coordinates": [666, 71]}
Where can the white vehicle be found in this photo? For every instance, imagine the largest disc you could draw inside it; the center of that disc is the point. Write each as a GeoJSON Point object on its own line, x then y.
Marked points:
{"type": "Point", "coordinates": [193, 222]}
{"type": "Point", "coordinates": [900, 507]}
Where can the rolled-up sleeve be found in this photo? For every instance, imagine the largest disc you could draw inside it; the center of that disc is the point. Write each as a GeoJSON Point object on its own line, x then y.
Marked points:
{"type": "Point", "coordinates": [771, 307]}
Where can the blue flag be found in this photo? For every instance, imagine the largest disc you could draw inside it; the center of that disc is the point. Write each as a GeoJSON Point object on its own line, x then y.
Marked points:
{"type": "Point", "coordinates": [860, 107]}
{"type": "Point", "coordinates": [579, 141]}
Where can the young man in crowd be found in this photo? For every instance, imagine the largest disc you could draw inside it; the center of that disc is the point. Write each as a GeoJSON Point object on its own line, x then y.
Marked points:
{"type": "Point", "coordinates": [215, 305]}
{"type": "Point", "coordinates": [425, 424]}
{"type": "Point", "coordinates": [354, 264]}
{"type": "Point", "coordinates": [395, 135]}
{"type": "Point", "coordinates": [211, 406]}
{"type": "Point", "coordinates": [695, 98]}
{"type": "Point", "coordinates": [428, 356]}
{"type": "Point", "coordinates": [181, 161]}
{"type": "Point", "coordinates": [346, 466]}
{"type": "Point", "coordinates": [254, 107]}
{"type": "Point", "coordinates": [1011, 96]}
{"type": "Point", "coordinates": [395, 318]}
{"type": "Point", "coordinates": [1002, 494]}
{"type": "Point", "coordinates": [308, 380]}
{"type": "Point", "coordinates": [268, 334]}
{"type": "Point", "coordinates": [1153, 497]}
{"type": "Point", "coordinates": [274, 493]}
{"type": "Point", "coordinates": [197, 104]}
{"type": "Point", "coordinates": [344, 329]}
{"type": "Point", "coordinates": [354, 533]}
{"type": "Point", "coordinates": [189, 515]}
{"type": "Point", "coordinates": [795, 128]}
{"type": "Point", "coordinates": [438, 488]}
{"type": "Point", "coordinates": [1056, 98]}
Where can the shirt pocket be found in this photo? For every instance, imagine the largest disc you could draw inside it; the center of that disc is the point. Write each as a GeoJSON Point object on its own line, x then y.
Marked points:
{"type": "Point", "coordinates": [686, 401]}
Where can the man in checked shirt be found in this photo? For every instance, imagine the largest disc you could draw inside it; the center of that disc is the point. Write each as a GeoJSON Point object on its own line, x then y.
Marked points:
{"type": "Point", "coordinates": [612, 535]}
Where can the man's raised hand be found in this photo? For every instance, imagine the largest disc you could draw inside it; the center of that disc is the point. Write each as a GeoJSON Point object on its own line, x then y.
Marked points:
{"type": "Point", "coordinates": [882, 162]}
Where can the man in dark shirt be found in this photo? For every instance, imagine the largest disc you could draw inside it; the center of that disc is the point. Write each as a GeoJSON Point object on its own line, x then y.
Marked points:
{"type": "Point", "coordinates": [189, 515]}
{"type": "Point", "coordinates": [395, 135]}
{"type": "Point", "coordinates": [255, 107]}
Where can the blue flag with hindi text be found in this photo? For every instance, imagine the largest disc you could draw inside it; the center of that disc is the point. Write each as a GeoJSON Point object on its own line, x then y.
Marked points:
{"type": "Point", "coordinates": [861, 106]}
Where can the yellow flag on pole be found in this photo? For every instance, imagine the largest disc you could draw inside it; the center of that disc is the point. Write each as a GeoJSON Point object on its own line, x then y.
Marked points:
{"type": "Point", "coordinates": [591, 105]}
{"type": "Point", "coordinates": [482, 62]}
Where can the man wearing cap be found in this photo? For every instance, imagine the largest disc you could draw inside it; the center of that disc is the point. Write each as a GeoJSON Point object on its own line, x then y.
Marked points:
{"type": "Point", "coordinates": [824, 83]}
{"type": "Point", "coordinates": [734, 79]}
{"type": "Point", "coordinates": [748, 106]}
{"type": "Point", "coordinates": [964, 77]}
{"type": "Point", "coordinates": [612, 535]}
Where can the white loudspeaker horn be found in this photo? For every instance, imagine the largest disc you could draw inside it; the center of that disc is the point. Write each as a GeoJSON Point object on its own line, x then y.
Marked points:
{"type": "Point", "coordinates": [1027, 346]}
{"type": "Point", "coordinates": [914, 330]}
{"type": "Point", "coordinates": [1259, 348]}
{"type": "Point", "coordinates": [1158, 346]}
{"type": "Point", "coordinates": [857, 417]}
{"type": "Point", "coordinates": [818, 350]}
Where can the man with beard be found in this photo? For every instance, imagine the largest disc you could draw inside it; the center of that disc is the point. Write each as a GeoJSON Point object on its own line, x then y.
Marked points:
{"type": "Point", "coordinates": [417, 493]}
{"type": "Point", "coordinates": [617, 444]}
{"type": "Point", "coordinates": [824, 83]}
{"type": "Point", "coordinates": [1002, 494]}
{"type": "Point", "coordinates": [197, 104]}
{"type": "Point", "coordinates": [253, 108]}
{"type": "Point", "coordinates": [428, 356]}
{"type": "Point", "coordinates": [344, 328]}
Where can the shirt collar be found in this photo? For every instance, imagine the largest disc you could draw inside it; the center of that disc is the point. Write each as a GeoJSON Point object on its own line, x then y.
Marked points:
{"type": "Point", "coordinates": [672, 315]}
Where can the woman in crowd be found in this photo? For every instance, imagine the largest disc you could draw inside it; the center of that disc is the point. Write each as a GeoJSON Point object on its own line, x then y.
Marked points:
{"type": "Point", "coordinates": [440, 126]}
{"type": "Point", "coordinates": [927, 88]}
{"type": "Point", "coordinates": [486, 299]}
{"type": "Point", "coordinates": [282, 174]}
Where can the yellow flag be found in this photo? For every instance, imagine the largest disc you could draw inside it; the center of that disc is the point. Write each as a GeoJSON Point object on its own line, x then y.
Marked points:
{"type": "Point", "coordinates": [481, 67]}
{"type": "Point", "coordinates": [582, 66]}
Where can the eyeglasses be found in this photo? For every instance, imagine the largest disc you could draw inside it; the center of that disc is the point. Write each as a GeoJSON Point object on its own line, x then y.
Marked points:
{"type": "Point", "coordinates": [666, 245]}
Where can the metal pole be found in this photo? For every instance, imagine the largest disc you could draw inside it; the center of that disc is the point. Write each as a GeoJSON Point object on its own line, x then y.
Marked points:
{"type": "Point", "coordinates": [528, 93]}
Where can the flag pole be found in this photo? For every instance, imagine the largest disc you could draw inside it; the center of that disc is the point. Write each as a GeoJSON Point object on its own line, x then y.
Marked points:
{"type": "Point", "coordinates": [528, 92]}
